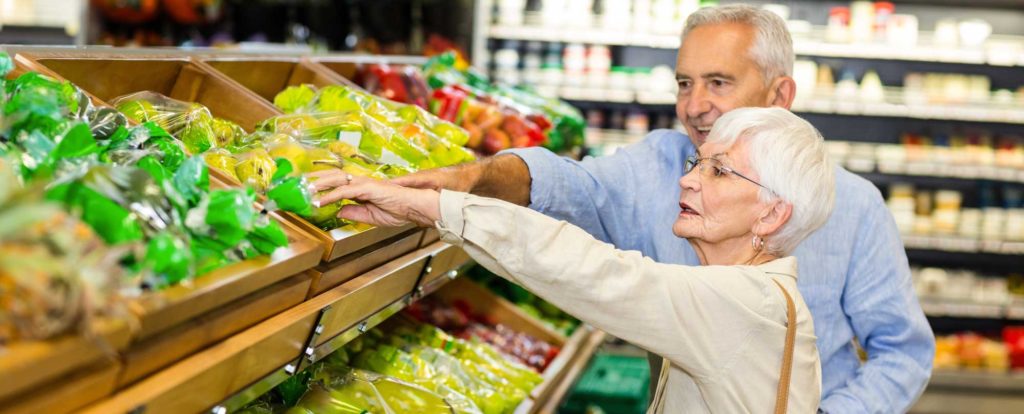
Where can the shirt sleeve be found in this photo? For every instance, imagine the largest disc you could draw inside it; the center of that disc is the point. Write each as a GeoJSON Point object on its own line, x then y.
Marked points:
{"type": "Point", "coordinates": [887, 319]}
{"type": "Point", "coordinates": [672, 310]}
{"type": "Point", "coordinates": [600, 194]}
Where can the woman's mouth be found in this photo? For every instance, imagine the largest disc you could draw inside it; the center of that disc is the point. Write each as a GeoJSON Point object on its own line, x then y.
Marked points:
{"type": "Point", "coordinates": [686, 210]}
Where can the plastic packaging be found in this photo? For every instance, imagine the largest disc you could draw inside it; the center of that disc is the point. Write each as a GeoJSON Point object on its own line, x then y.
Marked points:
{"type": "Point", "coordinates": [57, 274]}
{"type": "Point", "coordinates": [189, 122]}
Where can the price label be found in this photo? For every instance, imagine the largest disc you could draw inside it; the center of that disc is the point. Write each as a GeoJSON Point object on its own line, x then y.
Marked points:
{"type": "Point", "coordinates": [389, 157]}
{"type": "Point", "coordinates": [352, 138]}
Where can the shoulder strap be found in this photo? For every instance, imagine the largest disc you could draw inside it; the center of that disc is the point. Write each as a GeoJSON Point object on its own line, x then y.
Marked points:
{"type": "Point", "coordinates": [782, 395]}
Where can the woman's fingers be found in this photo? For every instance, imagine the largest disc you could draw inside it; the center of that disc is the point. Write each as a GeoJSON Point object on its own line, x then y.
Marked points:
{"type": "Point", "coordinates": [357, 213]}
{"type": "Point", "coordinates": [325, 173]}
{"type": "Point", "coordinates": [330, 181]}
{"type": "Point", "coordinates": [335, 195]}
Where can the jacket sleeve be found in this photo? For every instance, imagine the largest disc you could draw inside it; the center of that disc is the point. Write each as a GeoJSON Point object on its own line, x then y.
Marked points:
{"type": "Point", "coordinates": [672, 310]}
{"type": "Point", "coordinates": [599, 194]}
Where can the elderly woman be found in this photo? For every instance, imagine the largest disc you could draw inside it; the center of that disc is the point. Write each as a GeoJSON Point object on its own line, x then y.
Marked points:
{"type": "Point", "coordinates": [734, 333]}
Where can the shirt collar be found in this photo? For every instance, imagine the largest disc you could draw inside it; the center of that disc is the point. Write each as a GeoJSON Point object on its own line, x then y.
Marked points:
{"type": "Point", "coordinates": [783, 266]}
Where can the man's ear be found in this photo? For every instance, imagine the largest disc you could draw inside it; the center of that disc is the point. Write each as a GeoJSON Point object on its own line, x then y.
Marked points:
{"type": "Point", "coordinates": [773, 218]}
{"type": "Point", "coordinates": [782, 92]}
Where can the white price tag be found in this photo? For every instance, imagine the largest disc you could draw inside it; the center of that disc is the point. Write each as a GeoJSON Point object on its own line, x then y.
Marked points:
{"type": "Point", "coordinates": [388, 157]}
{"type": "Point", "coordinates": [351, 138]}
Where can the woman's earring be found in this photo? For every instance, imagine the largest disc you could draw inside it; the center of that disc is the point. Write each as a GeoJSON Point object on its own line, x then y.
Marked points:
{"type": "Point", "coordinates": [757, 243]}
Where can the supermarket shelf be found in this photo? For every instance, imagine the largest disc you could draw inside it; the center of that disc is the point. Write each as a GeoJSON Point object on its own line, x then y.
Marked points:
{"type": "Point", "coordinates": [963, 245]}
{"type": "Point", "coordinates": [956, 392]}
{"type": "Point", "coordinates": [312, 353]}
{"type": "Point", "coordinates": [960, 309]}
{"type": "Point", "coordinates": [893, 106]}
{"type": "Point", "coordinates": [811, 44]}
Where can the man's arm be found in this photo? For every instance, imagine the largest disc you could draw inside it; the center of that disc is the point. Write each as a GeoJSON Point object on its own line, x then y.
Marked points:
{"type": "Point", "coordinates": [504, 177]}
{"type": "Point", "coordinates": [886, 316]}
{"type": "Point", "coordinates": [598, 194]}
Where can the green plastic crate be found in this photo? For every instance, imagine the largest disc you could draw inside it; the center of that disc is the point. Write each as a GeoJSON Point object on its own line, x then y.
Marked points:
{"type": "Point", "coordinates": [614, 383]}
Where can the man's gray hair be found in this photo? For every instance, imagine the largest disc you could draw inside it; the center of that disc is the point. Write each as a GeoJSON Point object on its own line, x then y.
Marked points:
{"type": "Point", "coordinates": [790, 158]}
{"type": "Point", "coordinates": [773, 46]}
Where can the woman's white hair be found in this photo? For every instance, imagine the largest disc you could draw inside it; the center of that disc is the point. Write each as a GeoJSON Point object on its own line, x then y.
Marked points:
{"type": "Point", "coordinates": [789, 157]}
{"type": "Point", "coordinates": [773, 46]}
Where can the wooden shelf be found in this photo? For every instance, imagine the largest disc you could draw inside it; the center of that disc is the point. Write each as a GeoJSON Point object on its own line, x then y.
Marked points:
{"type": "Point", "coordinates": [257, 358]}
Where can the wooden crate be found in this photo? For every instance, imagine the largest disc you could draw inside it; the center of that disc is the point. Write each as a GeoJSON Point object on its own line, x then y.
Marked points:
{"type": "Point", "coordinates": [42, 364]}
{"type": "Point", "coordinates": [68, 393]}
{"type": "Point", "coordinates": [190, 79]}
{"type": "Point", "coordinates": [208, 377]}
{"type": "Point", "coordinates": [167, 308]}
{"type": "Point", "coordinates": [329, 275]}
{"type": "Point", "coordinates": [110, 75]}
{"type": "Point", "coordinates": [499, 310]}
{"type": "Point", "coordinates": [267, 76]}
{"type": "Point", "coordinates": [148, 356]}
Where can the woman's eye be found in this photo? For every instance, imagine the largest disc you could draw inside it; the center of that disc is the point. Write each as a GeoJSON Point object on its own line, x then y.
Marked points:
{"type": "Point", "coordinates": [718, 171]}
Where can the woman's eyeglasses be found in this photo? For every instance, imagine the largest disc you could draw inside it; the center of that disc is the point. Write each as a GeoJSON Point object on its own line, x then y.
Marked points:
{"type": "Point", "coordinates": [710, 167]}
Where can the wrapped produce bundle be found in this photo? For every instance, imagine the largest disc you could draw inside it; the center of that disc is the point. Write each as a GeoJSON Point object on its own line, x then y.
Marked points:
{"type": "Point", "coordinates": [132, 186]}
{"type": "Point", "coordinates": [189, 122]}
{"type": "Point", "coordinates": [55, 273]}
{"type": "Point", "coordinates": [408, 131]}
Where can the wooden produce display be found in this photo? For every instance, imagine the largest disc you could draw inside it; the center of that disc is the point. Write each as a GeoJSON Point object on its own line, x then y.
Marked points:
{"type": "Point", "coordinates": [172, 322]}
{"type": "Point", "coordinates": [482, 301]}
{"type": "Point", "coordinates": [266, 76]}
{"type": "Point", "coordinates": [190, 79]}
{"type": "Point", "coordinates": [266, 350]}
{"type": "Point", "coordinates": [347, 67]}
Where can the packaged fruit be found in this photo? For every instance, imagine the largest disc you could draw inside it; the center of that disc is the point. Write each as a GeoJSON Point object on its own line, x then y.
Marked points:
{"type": "Point", "coordinates": [255, 168]}
{"type": "Point", "coordinates": [191, 123]}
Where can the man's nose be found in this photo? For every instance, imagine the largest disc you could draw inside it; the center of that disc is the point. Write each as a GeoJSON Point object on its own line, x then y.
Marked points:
{"type": "Point", "coordinates": [698, 103]}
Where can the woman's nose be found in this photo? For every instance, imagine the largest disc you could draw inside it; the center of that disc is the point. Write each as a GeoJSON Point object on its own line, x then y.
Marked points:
{"type": "Point", "coordinates": [691, 180]}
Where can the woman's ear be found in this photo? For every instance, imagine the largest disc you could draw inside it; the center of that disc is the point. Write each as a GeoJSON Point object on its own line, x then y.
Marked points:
{"type": "Point", "coordinates": [772, 218]}
{"type": "Point", "coordinates": [782, 92]}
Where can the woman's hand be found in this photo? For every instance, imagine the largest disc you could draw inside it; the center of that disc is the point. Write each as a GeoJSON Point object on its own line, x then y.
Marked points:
{"type": "Point", "coordinates": [381, 203]}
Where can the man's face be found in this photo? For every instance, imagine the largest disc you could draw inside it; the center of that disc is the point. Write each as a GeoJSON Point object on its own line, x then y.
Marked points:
{"type": "Point", "coordinates": [716, 75]}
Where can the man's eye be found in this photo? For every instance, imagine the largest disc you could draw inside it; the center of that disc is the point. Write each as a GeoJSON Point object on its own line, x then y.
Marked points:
{"type": "Point", "coordinates": [718, 83]}
{"type": "Point", "coordinates": [718, 171]}
{"type": "Point", "coordinates": [684, 84]}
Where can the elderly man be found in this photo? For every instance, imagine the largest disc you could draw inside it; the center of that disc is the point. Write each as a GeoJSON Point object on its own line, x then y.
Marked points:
{"type": "Point", "coordinates": [853, 271]}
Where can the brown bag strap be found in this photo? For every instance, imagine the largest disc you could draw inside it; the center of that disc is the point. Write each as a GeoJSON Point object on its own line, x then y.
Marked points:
{"type": "Point", "coordinates": [782, 395]}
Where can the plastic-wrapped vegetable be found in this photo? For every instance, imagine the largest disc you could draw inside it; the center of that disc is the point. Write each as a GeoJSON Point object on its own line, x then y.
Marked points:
{"type": "Point", "coordinates": [189, 122]}
{"type": "Point", "coordinates": [55, 274]}
{"type": "Point", "coordinates": [351, 136]}
{"type": "Point", "coordinates": [398, 84]}
{"type": "Point", "coordinates": [414, 133]}
{"type": "Point", "coordinates": [146, 196]}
